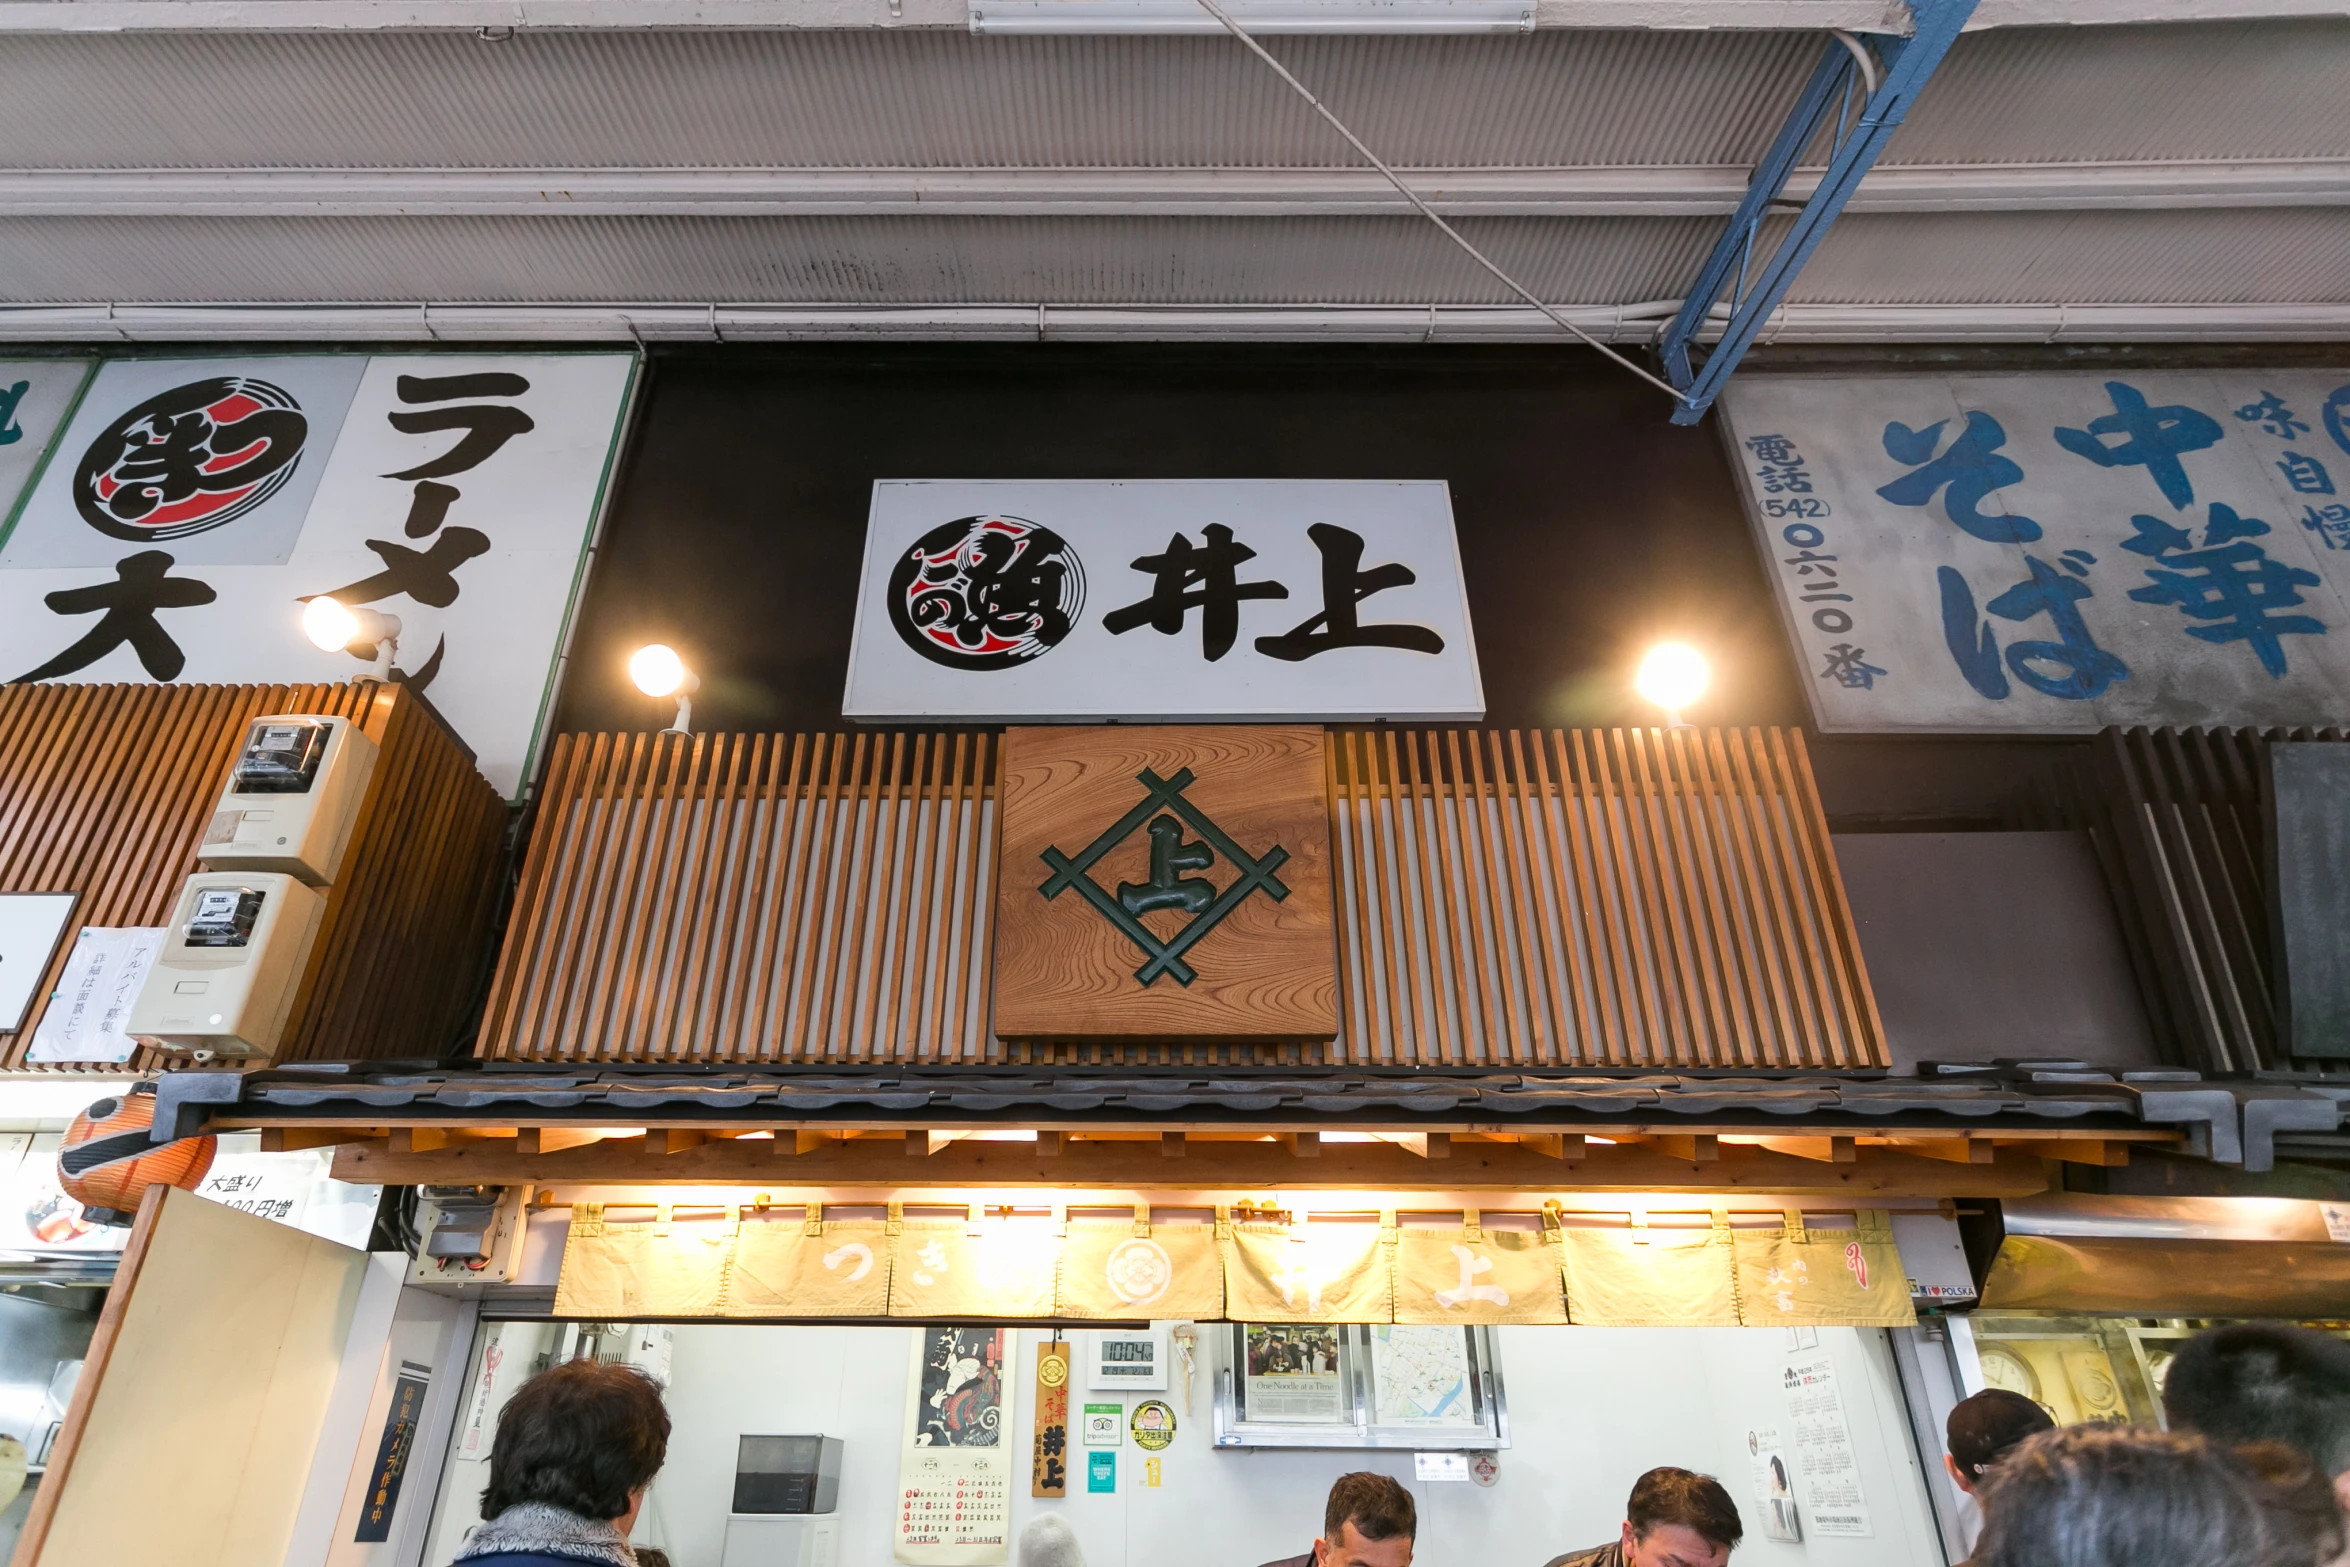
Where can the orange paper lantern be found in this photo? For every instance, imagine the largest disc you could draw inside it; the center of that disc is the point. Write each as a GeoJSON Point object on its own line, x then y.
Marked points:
{"type": "Point", "coordinates": [108, 1159]}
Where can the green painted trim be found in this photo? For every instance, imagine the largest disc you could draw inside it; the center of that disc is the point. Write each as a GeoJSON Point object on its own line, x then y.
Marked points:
{"type": "Point", "coordinates": [49, 452]}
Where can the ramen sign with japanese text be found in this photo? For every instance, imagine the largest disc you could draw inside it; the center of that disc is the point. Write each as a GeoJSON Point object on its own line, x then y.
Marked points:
{"type": "Point", "coordinates": [186, 510]}
{"type": "Point", "coordinates": [2056, 553]}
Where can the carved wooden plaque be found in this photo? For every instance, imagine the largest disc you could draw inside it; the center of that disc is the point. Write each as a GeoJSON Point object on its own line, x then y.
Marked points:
{"type": "Point", "coordinates": [1165, 883]}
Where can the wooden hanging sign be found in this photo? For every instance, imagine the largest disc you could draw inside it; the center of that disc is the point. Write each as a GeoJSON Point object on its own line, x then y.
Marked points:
{"type": "Point", "coordinates": [1049, 1471]}
{"type": "Point", "coordinates": [1165, 883]}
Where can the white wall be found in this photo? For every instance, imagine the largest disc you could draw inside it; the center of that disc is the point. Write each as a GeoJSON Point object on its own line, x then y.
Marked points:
{"type": "Point", "coordinates": [1590, 1409]}
{"type": "Point", "coordinates": [457, 1508]}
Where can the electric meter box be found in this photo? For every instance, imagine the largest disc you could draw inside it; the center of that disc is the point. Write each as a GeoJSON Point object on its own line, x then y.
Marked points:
{"type": "Point", "coordinates": [232, 956]}
{"type": "Point", "coordinates": [292, 798]}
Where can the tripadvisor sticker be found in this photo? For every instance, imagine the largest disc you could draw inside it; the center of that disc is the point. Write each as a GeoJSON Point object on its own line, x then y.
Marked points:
{"type": "Point", "coordinates": [1153, 1426]}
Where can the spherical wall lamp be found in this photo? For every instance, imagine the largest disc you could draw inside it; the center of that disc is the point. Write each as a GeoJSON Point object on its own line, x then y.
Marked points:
{"type": "Point", "coordinates": [656, 670]}
{"type": "Point", "coordinates": [334, 627]}
{"type": "Point", "coordinates": [1673, 676]}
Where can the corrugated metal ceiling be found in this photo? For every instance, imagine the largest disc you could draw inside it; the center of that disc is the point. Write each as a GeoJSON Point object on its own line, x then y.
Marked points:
{"type": "Point", "coordinates": [936, 99]}
{"type": "Point", "coordinates": [943, 100]}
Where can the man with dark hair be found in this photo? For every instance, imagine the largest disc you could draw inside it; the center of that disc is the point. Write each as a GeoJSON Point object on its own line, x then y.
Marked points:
{"type": "Point", "coordinates": [2267, 1382]}
{"type": "Point", "coordinates": [577, 1446]}
{"type": "Point", "coordinates": [1674, 1519]}
{"type": "Point", "coordinates": [1369, 1521]}
{"type": "Point", "coordinates": [1982, 1429]}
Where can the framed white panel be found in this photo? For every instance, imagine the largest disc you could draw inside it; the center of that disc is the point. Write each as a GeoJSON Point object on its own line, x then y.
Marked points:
{"type": "Point", "coordinates": [1191, 600]}
{"type": "Point", "coordinates": [31, 924]}
{"type": "Point", "coordinates": [2055, 553]}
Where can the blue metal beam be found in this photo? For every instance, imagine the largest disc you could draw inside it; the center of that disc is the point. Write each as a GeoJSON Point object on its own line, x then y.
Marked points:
{"type": "Point", "coordinates": [1757, 289]}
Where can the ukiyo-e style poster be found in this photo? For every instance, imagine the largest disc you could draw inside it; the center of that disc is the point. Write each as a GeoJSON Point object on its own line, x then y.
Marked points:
{"type": "Point", "coordinates": [2056, 553]}
{"type": "Point", "coordinates": [955, 1465]}
{"type": "Point", "coordinates": [190, 507]}
{"type": "Point", "coordinates": [1180, 599]}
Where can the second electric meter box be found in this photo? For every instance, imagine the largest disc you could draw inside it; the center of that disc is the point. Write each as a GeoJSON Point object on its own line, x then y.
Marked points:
{"type": "Point", "coordinates": [232, 957]}
{"type": "Point", "coordinates": [292, 798]}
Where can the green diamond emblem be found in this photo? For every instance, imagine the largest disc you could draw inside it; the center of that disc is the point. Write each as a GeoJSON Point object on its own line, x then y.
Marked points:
{"type": "Point", "coordinates": [1164, 813]}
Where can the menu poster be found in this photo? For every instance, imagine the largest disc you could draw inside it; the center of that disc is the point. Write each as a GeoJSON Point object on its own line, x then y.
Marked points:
{"type": "Point", "coordinates": [1420, 1376]}
{"type": "Point", "coordinates": [1824, 1455]}
{"type": "Point", "coordinates": [955, 1465]}
{"type": "Point", "coordinates": [1292, 1373]}
{"type": "Point", "coordinates": [1773, 1487]}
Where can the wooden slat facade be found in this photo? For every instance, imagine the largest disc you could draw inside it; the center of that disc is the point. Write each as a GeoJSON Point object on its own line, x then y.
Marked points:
{"type": "Point", "coordinates": [1632, 898]}
{"type": "Point", "coordinates": [1607, 898]}
{"type": "Point", "coordinates": [754, 897]}
{"type": "Point", "coordinates": [106, 790]}
{"type": "Point", "coordinates": [2178, 816]}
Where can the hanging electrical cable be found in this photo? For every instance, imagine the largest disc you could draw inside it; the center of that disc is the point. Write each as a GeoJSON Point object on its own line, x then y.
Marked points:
{"type": "Point", "coordinates": [1426, 211]}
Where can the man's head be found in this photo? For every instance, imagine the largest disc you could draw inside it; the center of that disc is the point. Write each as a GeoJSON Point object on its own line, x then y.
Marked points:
{"type": "Point", "coordinates": [2120, 1496]}
{"type": "Point", "coordinates": [586, 1437]}
{"type": "Point", "coordinates": [1679, 1519]}
{"type": "Point", "coordinates": [2267, 1382]}
{"type": "Point", "coordinates": [1986, 1427]}
{"type": "Point", "coordinates": [1369, 1521]}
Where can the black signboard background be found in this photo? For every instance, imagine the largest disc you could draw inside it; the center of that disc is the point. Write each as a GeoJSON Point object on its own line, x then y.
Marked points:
{"type": "Point", "coordinates": [1590, 525]}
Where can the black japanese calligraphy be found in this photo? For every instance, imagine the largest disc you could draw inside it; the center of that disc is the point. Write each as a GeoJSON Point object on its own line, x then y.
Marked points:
{"type": "Point", "coordinates": [426, 576]}
{"type": "Point", "coordinates": [487, 426]}
{"type": "Point", "coordinates": [1343, 587]}
{"type": "Point", "coordinates": [1188, 577]}
{"type": "Point", "coordinates": [126, 609]}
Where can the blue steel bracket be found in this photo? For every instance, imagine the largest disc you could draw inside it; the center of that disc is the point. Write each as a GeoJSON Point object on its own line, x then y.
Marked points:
{"type": "Point", "coordinates": [1906, 63]}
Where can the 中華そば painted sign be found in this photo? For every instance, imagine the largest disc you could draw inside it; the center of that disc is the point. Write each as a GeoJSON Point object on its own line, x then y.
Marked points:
{"type": "Point", "coordinates": [1192, 599]}
{"type": "Point", "coordinates": [2056, 552]}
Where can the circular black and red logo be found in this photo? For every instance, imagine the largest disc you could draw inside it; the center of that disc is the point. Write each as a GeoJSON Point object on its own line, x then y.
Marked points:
{"type": "Point", "coordinates": [986, 593]}
{"type": "Point", "coordinates": [193, 458]}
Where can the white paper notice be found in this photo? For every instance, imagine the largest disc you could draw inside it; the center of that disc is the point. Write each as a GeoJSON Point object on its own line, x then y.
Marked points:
{"type": "Point", "coordinates": [1774, 1487]}
{"type": "Point", "coordinates": [103, 974]}
{"type": "Point", "coordinates": [1824, 1459]}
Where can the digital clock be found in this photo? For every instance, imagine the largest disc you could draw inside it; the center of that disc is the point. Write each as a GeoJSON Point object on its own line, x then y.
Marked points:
{"type": "Point", "coordinates": [1129, 1358]}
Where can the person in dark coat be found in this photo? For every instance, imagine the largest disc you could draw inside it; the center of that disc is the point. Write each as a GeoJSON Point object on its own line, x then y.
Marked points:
{"type": "Point", "coordinates": [577, 1447]}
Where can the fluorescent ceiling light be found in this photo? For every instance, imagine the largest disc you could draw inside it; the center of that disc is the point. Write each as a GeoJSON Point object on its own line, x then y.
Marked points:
{"type": "Point", "coordinates": [1258, 16]}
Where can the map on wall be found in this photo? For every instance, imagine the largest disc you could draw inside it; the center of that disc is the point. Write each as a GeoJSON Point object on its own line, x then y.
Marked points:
{"type": "Point", "coordinates": [184, 510]}
{"type": "Point", "coordinates": [1420, 1376]}
{"type": "Point", "coordinates": [2055, 553]}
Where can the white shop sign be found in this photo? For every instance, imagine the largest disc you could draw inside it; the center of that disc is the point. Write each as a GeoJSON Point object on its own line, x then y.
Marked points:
{"type": "Point", "coordinates": [190, 506]}
{"type": "Point", "coordinates": [2056, 553]}
{"type": "Point", "coordinates": [1179, 599]}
